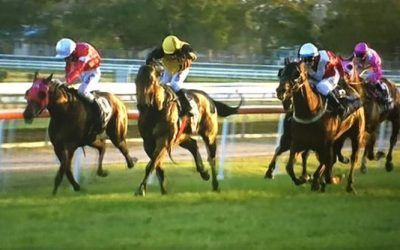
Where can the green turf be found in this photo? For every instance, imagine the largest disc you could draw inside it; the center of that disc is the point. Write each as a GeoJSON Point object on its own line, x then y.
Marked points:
{"type": "Point", "coordinates": [248, 213]}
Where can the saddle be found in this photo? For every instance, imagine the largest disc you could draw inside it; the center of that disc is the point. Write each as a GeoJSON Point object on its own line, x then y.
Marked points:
{"type": "Point", "coordinates": [380, 93]}
{"type": "Point", "coordinates": [103, 112]}
{"type": "Point", "coordinates": [348, 98]}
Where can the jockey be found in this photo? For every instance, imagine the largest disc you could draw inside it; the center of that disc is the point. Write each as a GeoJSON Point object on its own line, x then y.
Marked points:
{"type": "Point", "coordinates": [324, 71]}
{"type": "Point", "coordinates": [83, 62]}
{"type": "Point", "coordinates": [368, 59]}
{"type": "Point", "coordinates": [177, 57]}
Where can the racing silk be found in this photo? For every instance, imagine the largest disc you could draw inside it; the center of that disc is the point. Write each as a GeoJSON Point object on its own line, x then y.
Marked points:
{"type": "Point", "coordinates": [329, 65]}
{"type": "Point", "coordinates": [372, 62]}
{"type": "Point", "coordinates": [84, 58]}
{"type": "Point", "coordinates": [174, 63]}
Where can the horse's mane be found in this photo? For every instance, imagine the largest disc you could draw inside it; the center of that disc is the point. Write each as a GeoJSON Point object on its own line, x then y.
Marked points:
{"type": "Point", "coordinates": [70, 93]}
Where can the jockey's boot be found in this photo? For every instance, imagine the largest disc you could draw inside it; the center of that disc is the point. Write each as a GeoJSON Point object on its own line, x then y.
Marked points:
{"type": "Point", "coordinates": [384, 95]}
{"type": "Point", "coordinates": [98, 115]}
{"type": "Point", "coordinates": [186, 109]}
{"type": "Point", "coordinates": [338, 107]}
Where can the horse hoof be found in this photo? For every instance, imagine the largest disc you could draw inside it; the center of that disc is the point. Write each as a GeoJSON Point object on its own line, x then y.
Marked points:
{"type": "Point", "coordinates": [132, 162]}
{"type": "Point", "coordinates": [140, 192]}
{"type": "Point", "coordinates": [300, 181]}
{"type": "Point", "coordinates": [351, 190]}
{"type": "Point", "coordinates": [205, 176]}
{"type": "Point", "coordinates": [344, 160]}
{"type": "Point", "coordinates": [269, 175]}
{"type": "Point", "coordinates": [363, 169]}
{"type": "Point", "coordinates": [102, 173]}
{"type": "Point", "coordinates": [389, 166]}
{"type": "Point", "coordinates": [315, 186]}
{"type": "Point", "coordinates": [370, 156]}
{"type": "Point", "coordinates": [379, 155]}
{"type": "Point", "coordinates": [335, 180]}
{"type": "Point", "coordinates": [77, 188]}
{"type": "Point", "coordinates": [305, 178]}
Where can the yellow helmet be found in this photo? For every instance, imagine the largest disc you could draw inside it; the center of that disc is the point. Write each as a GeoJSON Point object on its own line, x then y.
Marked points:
{"type": "Point", "coordinates": [171, 43]}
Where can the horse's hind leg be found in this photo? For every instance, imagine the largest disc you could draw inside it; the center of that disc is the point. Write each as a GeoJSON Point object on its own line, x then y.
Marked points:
{"type": "Point", "coordinates": [191, 145]}
{"type": "Point", "coordinates": [120, 143]}
{"type": "Point", "coordinates": [100, 145]}
{"type": "Point", "coordinates": [393, 140]}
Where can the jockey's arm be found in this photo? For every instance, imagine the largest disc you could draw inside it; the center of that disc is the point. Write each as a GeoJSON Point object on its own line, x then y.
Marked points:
{"type": "Point", "coordinates": [73, 71]}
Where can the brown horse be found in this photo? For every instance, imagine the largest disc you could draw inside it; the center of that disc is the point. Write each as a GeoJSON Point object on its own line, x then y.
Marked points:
{"type": "Point", "coordinates": [285, 140]}
{"type": "Point", "coordinates": [161, 128]}
{"type": "Point", "coordinates": [316, 129]}
{"type": "Point", "coordinates": [375, 114]}
{"type": "Point", "coordinates": [71, 121]}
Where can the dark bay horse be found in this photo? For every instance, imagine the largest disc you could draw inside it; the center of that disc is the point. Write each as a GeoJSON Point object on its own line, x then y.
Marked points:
{"type": "Point", "coordinates": [71, 121]}
{"type": "Point", "coordinates": [314, 128]}
{"type": "Point", "coordinates": [375, 114]}
{"type": "Point", "coordinates": [285, 140]}
{"type": "Point", "coordinates": [161, 129]}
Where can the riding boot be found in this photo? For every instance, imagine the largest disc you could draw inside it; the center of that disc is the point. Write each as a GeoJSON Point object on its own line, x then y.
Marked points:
{"type": "Point", "coordinates": [98, 117]}
{"type": "Point", "coordinates": [185, 104]}
{"type": "Point", "coordinates": [338, 107]}
{"type": "Point", "coordinates": [384, 95]}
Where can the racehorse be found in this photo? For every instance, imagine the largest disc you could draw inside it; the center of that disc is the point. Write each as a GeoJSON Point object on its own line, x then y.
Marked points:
{"type": "Point", "coordinates": [161, 129]}
{"type": "Point", "coordinates": [286, 137]}
{"type": "Point", "coordinates": [316, 129]}
{"type": "Point", "coordinates": [71, 121]}
{"type": "Point", "coordinates": [375, 114]}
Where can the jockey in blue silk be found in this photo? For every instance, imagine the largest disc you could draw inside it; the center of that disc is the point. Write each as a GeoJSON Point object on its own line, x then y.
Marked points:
{"type": "Point", "coordinates": [324, 72]}
{"type": "Point", "coordinates": [176, 56]}
{"type": "Point", "coordinates": [367, 59]}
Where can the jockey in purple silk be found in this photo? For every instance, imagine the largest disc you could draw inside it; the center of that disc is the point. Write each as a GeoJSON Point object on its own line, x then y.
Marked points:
{"type": "Point", "coordinates": [368, 60]}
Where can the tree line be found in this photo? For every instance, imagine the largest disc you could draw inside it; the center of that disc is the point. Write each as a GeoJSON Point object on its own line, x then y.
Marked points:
{"type": "Point", "coordinates": [240, 27]}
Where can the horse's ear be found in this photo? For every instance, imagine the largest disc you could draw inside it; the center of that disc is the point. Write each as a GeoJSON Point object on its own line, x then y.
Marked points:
{"type": "Point", "coordinates": [287, 60]}
{"type": "Point", "coordinates": [35, 76]}
{"type": "Point", "coordinates": [48, 79]}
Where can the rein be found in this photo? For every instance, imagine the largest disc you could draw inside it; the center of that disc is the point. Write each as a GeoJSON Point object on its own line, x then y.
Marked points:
{"type": "Point", "coordinates": [296, 86]}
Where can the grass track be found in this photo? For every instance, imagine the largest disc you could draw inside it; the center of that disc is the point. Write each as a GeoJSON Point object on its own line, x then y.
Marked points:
{"type": "Point", "coordinates": [248, 213]}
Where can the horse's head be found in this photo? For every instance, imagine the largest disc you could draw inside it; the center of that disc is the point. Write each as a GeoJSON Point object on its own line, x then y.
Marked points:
{"type": "Point", "coordinates": [290, 79]}
{"type": "Point", "coordinates": [37, 97]}
{"type": "Point", "coordinates": [147, 80]}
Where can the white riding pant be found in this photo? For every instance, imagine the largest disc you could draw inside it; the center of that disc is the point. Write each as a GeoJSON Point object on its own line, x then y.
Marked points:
{"type": "Point", "coordinates": [90, 81]}
{"type": "Point", "coordinates": [174, 81]}
{"type": "Point", "coordinates": [325, 86]}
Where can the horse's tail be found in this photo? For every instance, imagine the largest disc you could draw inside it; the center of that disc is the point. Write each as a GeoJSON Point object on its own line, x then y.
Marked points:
{"type": "Point", "coordinates": [224, 110]}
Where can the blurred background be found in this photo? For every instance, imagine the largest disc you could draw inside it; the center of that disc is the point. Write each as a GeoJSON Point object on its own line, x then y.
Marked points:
{"type": "Point", "coordinates": [235, 31]}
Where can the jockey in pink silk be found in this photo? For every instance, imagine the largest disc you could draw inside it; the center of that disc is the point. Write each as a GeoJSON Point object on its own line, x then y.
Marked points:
{"type": "Point", "coordinates": [367, 59]}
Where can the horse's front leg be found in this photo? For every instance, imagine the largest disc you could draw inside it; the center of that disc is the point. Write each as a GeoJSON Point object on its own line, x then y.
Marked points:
{"type": "Point", "coordinates": [304, 156]}
{"type": "Point", "coordinates": [65, 157]}
{"type": "Point", "coordinates": [284, 145]}
{"type": "Point", "coordinates": [191, 145]}
{"type": "Point", "coordinates": [289, 168]}
{"type": "Point", "coordinates": [157, 159]}
{"type": "Point", "coordinates": [141, 191]}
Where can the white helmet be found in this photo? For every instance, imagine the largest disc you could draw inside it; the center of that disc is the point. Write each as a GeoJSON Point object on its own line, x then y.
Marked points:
{"type": "Point", "coordinates": [65, 47]}
{"type": "Point", "coordinates": [308, 50]}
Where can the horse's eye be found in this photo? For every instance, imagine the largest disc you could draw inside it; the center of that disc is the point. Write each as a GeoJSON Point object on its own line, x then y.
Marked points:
{"type": "Point", "coordinates": [41, 95]}
{"type": "Point", "coordinates": [296, 75]}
